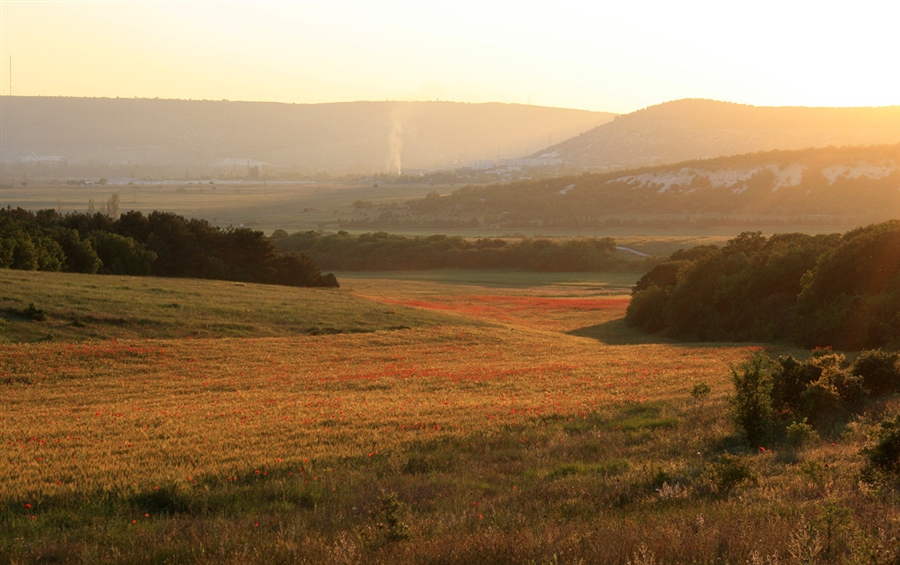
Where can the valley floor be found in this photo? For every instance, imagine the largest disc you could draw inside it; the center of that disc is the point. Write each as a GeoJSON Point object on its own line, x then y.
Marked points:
{"type": "Point", "coordinates": [505, 424]}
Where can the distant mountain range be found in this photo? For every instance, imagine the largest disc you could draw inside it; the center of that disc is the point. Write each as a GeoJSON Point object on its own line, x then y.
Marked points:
{"type": "Point", "coordinates": [830, 186]}
{"type": "Point", "coordinates": [142, 136]}
{"type": "Point", "coordinates": [702, 129]}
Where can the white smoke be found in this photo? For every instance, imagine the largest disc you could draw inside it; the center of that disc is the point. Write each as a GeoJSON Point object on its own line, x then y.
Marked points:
{"type": "Point", "coordinates": [403, 128]}
{"type": "Point", "coordinates": [395, 142]}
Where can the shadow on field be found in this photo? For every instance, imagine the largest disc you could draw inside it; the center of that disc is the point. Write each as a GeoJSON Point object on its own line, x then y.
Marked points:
{"type": "Point", "coordinates": [617, 332]}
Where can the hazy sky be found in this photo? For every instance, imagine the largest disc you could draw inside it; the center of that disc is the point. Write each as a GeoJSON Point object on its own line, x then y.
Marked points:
{"type": "Point", "coordinates": [612, 56]}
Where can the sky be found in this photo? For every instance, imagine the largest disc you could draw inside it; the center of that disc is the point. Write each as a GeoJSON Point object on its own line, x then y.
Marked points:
{"type": "Point", "coordinates": [613, 56]}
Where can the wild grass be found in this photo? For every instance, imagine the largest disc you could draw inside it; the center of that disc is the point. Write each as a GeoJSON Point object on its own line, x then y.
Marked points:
{"type": "Point", "coordinates": [513, 442]}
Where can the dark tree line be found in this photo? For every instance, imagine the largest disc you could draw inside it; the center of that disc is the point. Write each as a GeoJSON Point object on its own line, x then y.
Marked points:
{"type": "Point", "coordinates": [818, 291]}
{"type": "Point", "coordinates": [159, 244]}
{"type": "Point", "coordinates": [382, 251]}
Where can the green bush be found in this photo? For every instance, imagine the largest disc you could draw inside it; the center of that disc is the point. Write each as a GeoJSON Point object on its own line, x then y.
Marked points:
{"type": "Point", "coordinates": [728, 472]}
{"type": "Point", "coordinates": [821, 391]}
{"type": "Point", "coordinates": [800, 434]}
{"type": "Point", "coordinates": [883, 458]}
{"type": "Point", "coordinates": [822, 404]}
{"type": "Point", "coordinates": [880, 371]}
{"type": "Point", "coordinates": [850, 387]}
{"type": "Point", "coordinates": [752, 401]}
{"type": "Point", "coordinates": [789, 379]}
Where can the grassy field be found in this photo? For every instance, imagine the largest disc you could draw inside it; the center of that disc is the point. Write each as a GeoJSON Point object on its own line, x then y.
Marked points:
{"type": "Point", "coordinates": [453, 419]}
{"type": "Point", "coordinates": [80, 307]}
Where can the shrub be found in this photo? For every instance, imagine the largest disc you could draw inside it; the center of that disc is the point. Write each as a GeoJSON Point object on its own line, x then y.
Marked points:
{"type": "Point", "coordinates": [728, 472]}
{"type": "Point", "coordinates": [752, 401]}
{"type": "Point", "coordinates": [800, 434]}
{"type": "Point", "coordinates": [822, 404]}
{"type": "Point", "coordinates": [883, 458]}
{"type": "Point", "coordinates": [789, 379]}
{"type": "Point", "coordinates": [880, 371]}
{"type": "Point", "coordinates": [849, 386]}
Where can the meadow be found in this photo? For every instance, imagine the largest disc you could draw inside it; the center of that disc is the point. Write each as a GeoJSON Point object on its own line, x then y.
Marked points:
{"type": "Point", "coordinates": [511, 418]}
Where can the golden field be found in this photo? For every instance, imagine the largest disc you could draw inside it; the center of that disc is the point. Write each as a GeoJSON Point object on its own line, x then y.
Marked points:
{"type": "Point", "coordinates": [497, 424]}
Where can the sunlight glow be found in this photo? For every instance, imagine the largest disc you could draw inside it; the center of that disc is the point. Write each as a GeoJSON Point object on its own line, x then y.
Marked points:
{"type": "Point", "coordinates": [608, 56]}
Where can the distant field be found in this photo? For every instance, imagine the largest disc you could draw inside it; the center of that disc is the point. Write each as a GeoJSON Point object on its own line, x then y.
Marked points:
{"type": "Point", "coordinates": [500, 419]}
{"type": "Point", "coordinates": [300, 206]}
{"type": "Point", "coordinates": [292, 206]}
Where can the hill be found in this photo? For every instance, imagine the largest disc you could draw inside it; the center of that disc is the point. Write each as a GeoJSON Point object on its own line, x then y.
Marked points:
{"type": "Point", "coordinates": [71, 307]}
{"type": "Point", "coordinates": [831, 186]}
{"type": "Point", "coordinates": [700, 129]}
{"type": "Point", "coordinates": [121, 137]}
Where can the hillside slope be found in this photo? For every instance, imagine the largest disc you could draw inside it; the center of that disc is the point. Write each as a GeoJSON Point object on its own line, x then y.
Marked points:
{"type": "Point", "coordinates": [700, 129]}
{"type": "Point", "coordinates": [831, 186]}
{"type": "Point", "coordinates": [79, 307]}
{"type": "Point", "coordinates": [205, 137]}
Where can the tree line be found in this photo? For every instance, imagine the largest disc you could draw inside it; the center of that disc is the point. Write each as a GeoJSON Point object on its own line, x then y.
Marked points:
{"type": "Point", "coordinates": [840, 291]}
{"type": "Point", "coordinates": [381, 251]}
{"type": "Point", "coordinates": [160, 244]}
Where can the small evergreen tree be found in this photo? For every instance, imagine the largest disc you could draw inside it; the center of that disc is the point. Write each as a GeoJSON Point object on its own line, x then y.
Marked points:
{"type": "Point", "coordinates": [752, 401]}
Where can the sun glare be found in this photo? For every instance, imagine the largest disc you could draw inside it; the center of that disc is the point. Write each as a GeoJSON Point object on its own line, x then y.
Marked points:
{"type": "Point", "coordinates": [610, 56]}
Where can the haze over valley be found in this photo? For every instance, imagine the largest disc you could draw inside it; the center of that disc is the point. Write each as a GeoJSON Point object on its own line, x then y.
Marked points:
{"type": "Point", "coordinates": [389, 283]}
{"type": "Point", "coordinates": [175, 138]}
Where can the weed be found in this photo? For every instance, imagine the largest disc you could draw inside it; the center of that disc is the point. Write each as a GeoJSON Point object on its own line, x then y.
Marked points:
{"type": "Point", "coordinates": [805, 543]}
{"type": "Point", "coordinates": [387, 519]}
{"type": "Point", "coordinates": [814, 472]}
{"type": "Point", "coordinates": [700, 392]}
{"type": "Point", "coordinates": [833, 522]}
{"type": "Point", "coordinates": [642, 556]}
{"type": "Point", "coordinates": [33, 313]}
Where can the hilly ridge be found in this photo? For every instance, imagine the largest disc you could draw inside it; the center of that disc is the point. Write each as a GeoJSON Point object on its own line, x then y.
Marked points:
{"type": "Point", "coordinates": [157, 137]}
{"type": "Point", "coordinates": [812, 186]}
{"type": "Point", "coordinates": [701, 129]}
